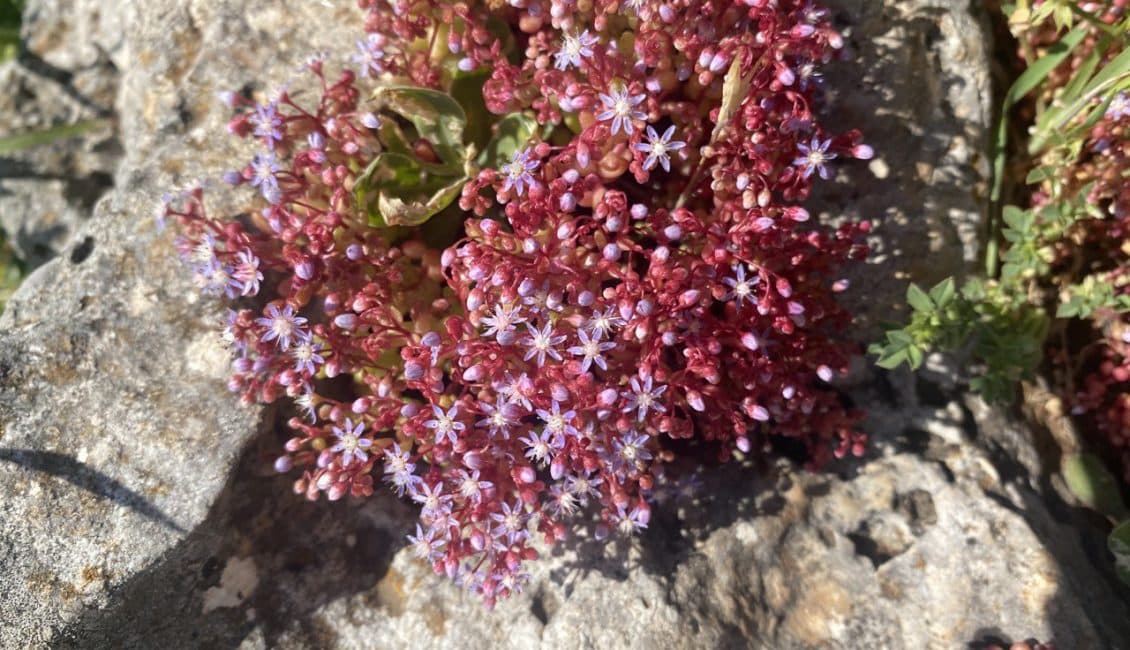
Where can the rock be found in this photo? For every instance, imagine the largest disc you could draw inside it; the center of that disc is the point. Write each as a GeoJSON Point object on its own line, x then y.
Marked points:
{"type": "Point", "coordinates": [65, 74]}
{"type": "Point", "coordinates": [917, 82]}
{"type": "Point", "coordinates": [141, 511]}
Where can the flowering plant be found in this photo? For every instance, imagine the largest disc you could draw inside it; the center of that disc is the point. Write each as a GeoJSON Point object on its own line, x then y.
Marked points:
{"type": "Point", "coordinates": [529, 253]}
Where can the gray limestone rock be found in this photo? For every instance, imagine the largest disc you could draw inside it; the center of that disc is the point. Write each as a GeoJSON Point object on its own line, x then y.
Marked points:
{"type": "Point", "coordinates": [140, 509]}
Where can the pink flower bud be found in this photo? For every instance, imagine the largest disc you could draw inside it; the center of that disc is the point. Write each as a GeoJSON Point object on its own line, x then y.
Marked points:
{"type": "Point", "coordinates": [559, 392]}
{"type": "Point", "coordinates": [346, 321]}
{"type": "Point", "coordinates": [474, 373]}
{"type": "Point", "coordinates": [283, 464]}
{"type": "Point", "coordinates": [694, 398]}
{"type": "Point", "coordinates": [750, 341]}
{"type": "Point", "coordinates": [566, 230]}
{"type": "Point", "coordinates": [473, 460]}
{"type": "Point", "coordinates": [413, 371]}
{"type": "Point", "coordinates": [557, 467]}
{"type": "Point", "coordinates": [825, 373]}
{"type": "Point", "coordinates": [742, 443]}
{"type": "Point", "coordinates": [863, 152]}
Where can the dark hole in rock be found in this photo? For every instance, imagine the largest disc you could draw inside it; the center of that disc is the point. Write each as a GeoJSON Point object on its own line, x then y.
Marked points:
{"type": "Point", "coordinates": [82, 251]}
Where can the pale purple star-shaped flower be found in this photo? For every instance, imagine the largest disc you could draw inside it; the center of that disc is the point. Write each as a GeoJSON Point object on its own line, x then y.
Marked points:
{"type": "Point", "coordinates": [558, 424]}
{"type": "Point", "coordinates": [425, 546]}
{"type": "Point", "coordinates": [575, 48]}
{"type": "Point", "coordinates": [517, 173]}
{"type": "Point", "coordinates": [631, 522]}
{"type": "Point", "coordinates": [501, 324]}
{"type": "Point", "coordinates": [305, 353]}
{"type": "Point", "coordinates": [815, 158]}
{"type": "Point", "coordinates": [516, 390]}
{"type": "Point", "coordinates": [399, 470]}
{"type": "Point", "coordinates": [350, 444]}
{"type": "Point", "coordinates": [741, 287]}
{"type": "Point", "coordinates": [432, 498]}
{"type": "Point", "coordinates": [265, 176]}
{"type": "Point", "coordinates": [622, 109]}
{"type": "Point", "coordinates": [630, 450]}
{"type": "Point", "coordinates": [215, 278]}
{"type": "Point", "coordinates": [370, 55]}
{"type": "Point", "coordinates": [562, 502]}
{"type": "Point", "coordinates": [584, 487]}
{"type": "Point", "coordinates": [1119, 107]}
{"type": "Point", "coordinates": [592, 349]}
{"type": "Point", "coordinates": [644, 398]}
{"type": "Point", "coordinates": [445, 424]}
{"type": "Point", "coordinates": [604, 322]}
{"type": "Point", "coordinates": [542, 343]}
{"type": "Point", "coordinates": [658, 148]}
{"type": "Point", "coordinates": [306, 402]}
{"type": "Point", "coordinates": [511, 522]}
{"type": "Point", "coordinates": [499, 418]}
{"type": "Point", "coordinates": [247, 273]}
{"type": "Point", "coordinates": [282, 325]}
{"type": "Point", "coordinates": [540, 448]}
{"type": "Point", "coordinates": [471, 486]}
{"type": "Point", "coordinates": [268, 123]}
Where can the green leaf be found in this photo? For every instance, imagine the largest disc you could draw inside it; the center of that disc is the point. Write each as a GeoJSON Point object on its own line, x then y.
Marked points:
{"type": "Point", "coordinates": [1024, 84]}
{"type": "Point", "coordinates": [395, 211]}
{"type": "Point", "coordinates": [512, 133]}
{"type": "Point", "coordinates": [395, 190]}
{"type": "Point", "coordinates": [1119, 545]}
{"type": "Point", "coordinates": [437, 117]}
{"type": "Point", "coordinates": [1041, 174]}
{"type": "Point", "coordinates": [1092, 483]}
{"type": "Point", "coordinates": [943, 292]}
{"type": "Point", "coordinates": [19, 142]}
{"type": "Point", "coordinates": [918, 299]}
{"type": "Point", "coordinates": [467, 89]}
{"type": "Point", "coordinates": [1017, 219]}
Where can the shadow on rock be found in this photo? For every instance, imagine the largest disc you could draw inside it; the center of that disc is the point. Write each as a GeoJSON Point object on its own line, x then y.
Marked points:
{"type": "Point", "coordinates": [304, 555]}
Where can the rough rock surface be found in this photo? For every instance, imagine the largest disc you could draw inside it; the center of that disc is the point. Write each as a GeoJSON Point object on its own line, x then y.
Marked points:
{"type": "Point", "coordinates": [917, 82]}
{"type": "Point", "coordinates": [65, 74]}
{"type": "Point", "coordinates": [140, 510]}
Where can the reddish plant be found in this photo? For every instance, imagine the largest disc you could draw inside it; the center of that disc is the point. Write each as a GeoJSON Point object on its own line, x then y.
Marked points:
{"type": "Point", "coordinates": [629, 269]}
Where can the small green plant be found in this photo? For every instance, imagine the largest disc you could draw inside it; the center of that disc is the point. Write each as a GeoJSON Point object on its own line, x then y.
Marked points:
{"type": "Point", "coordinates": [1056, 287]}
{"type": "Point", "coordinates": [10, 12]}
{"type": "Point", "coordinates": [1000, 321]}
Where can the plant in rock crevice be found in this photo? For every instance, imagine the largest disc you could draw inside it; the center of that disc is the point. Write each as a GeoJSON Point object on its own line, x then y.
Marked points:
{"type": "Point", "coordinates": [525, 255]}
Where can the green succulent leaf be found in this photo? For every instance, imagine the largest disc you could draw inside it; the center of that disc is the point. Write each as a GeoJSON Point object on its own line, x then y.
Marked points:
{"type": "Point", "coordinates": [395, 211]}
{"type": "Point", "coordinates": [467, 90]}
{"type": "Point", "coordinates": [511, 134]}
{"type": "Point", "coordinates": [1119, 545]}
{"type": "Point", "coordinates": [397, 190]}
{"type": "Point", "coordinates": [1093, 484]}
{"type": "Point", "coordinates": [438, 118]}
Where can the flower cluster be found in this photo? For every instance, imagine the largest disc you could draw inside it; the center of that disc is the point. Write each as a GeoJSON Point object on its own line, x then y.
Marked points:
{"type": "Point", "coordinates": [634, 280]}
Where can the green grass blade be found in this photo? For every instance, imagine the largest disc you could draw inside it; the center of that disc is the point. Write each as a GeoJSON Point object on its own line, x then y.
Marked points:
{"type": "Point", "coordinates": [21, 141]}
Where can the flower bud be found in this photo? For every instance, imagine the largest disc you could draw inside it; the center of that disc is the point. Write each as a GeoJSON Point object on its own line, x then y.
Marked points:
{"type": "Point", "coordinates": [346, 321]}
